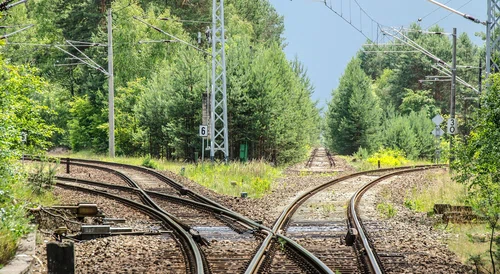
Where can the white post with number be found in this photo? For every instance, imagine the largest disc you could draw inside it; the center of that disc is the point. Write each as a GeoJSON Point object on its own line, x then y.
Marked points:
{"type": "Point", "coordinates": [203, 131]}
{"type": "Point", "coordinates": [203, 134]}
{"type": "Point", "coordinates": [452, 126]}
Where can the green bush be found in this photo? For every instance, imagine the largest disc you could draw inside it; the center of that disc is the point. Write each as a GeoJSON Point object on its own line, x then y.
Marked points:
{"type": "Point", "coordinates": [361, 154]}
{"type": "Point", "coordinates": [409, 134]}
{"type": "Point", "coordinates": [150, 163]}
{"type": "Point", "coordinates": [43, 177]}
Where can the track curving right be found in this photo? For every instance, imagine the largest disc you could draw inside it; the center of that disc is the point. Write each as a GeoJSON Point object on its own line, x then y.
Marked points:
{"type": "Point", "coordinates": [321, 238]}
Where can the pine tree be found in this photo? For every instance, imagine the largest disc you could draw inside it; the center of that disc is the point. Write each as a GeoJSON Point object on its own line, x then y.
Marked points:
{"type": "Point", "coordinates": [353, 114]}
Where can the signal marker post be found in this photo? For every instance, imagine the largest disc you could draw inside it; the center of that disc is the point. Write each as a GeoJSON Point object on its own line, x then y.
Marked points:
{"type": "Point", "coordinates": [203, 134]}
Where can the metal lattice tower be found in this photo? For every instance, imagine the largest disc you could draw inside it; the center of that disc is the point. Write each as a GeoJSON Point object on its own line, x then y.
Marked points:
{"type": "Point", "coordinates": [492, 36]}
{"type": "Point", "coordinates": [218, 116]}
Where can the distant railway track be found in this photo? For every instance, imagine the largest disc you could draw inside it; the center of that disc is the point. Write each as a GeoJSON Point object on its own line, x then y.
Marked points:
{"type": "Point", "coordinates": [344, 260]}
{"type": "Point", "coordinates": [320, 158]}
{"type": "Point", "coordinates": [311, 158]}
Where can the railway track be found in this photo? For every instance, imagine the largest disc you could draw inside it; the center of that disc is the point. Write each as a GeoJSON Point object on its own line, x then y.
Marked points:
{"type": "Point", "coordinates": [227, 240]}
{"type": "Point", "coordinates": [322, 238]}
{"type": "Point", "coordinates": [292, 245]}
{"type": "Point", "coordinates": [195, 263]}
{"type": "Point", "coordinates": [321, 160]}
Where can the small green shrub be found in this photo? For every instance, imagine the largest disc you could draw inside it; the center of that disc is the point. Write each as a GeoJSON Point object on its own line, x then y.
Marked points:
{"type": "Point", "coordinates": [361, 154]}
{"type": "Point", "coordinates": [387, 210]}
{"type": "Point", "coordinates": [150, 163]}
{"type": "Point", "coordinates": [42, 178]}
{"type": "Point", "coordinates": [7, 246]}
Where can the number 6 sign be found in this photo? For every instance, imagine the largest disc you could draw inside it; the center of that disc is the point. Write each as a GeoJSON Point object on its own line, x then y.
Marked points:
{"type": "Point", "coordinates": [203, 131]}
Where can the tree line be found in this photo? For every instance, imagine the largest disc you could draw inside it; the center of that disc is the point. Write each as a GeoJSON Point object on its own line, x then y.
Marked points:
{"type": "Point", "coordinates": [381, 101]}
{"type": "Point", "coordinates": [159, 86]}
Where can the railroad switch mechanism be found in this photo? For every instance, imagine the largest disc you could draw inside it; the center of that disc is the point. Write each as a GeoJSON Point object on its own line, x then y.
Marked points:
{"type": "Point", "coordinates": [350, 238]}
{"type": "Point", "coordinates": [112, 221]}
{"type": "Point", "coordinates": [82, 210]}
{"type": "Point", "coordinates": [60, 232]}
{"type": "Point", "coordinates": [89, 232]}
{"type": "Point", "coordinates": [197, 237]}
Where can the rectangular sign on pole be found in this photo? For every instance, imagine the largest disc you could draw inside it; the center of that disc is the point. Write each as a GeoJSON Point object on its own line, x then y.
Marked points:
{"type": "Point", "coordinates": [452, 126]}
{"type": "Point", "coordinates": [203, 131]}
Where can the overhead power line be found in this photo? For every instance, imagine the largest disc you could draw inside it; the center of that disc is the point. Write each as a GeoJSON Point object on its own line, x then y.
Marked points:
{"type": "Point", "coordinates": [392, 32]}
{"type": "Point", "coordinates": [451, 11]}
{"type": "Point", "coordinates": [171, 36]}
{"type": "Point", "coordinates": [360, 20]}
{"type": "Point", "coordinates": [7, 4]}
{"type": "Point", "coordinates": [15, 32]}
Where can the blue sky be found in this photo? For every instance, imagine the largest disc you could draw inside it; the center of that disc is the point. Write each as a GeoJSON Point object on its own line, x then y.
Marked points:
{"type": "Point", "coordinates": [325, 43]}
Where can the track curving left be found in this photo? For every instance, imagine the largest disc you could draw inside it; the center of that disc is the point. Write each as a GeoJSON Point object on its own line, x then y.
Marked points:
{"type": "Point", "coordinates": [226, 239]}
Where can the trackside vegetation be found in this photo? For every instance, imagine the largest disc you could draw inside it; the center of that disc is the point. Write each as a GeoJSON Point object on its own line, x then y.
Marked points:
{"type": "Point", "coordinates": [159, 86]}
{"type": "Point", "coordinates": [477, 166]}
{"type": "Point", "coordinates": [22, 130]}
{"type": "Point", "coordinates": [253, 177]}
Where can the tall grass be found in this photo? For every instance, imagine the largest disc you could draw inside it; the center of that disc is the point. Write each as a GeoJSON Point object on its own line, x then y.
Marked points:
{"type": "Point", "coordinates": [15, 199]}
{"type": "Point", "coordinates": [254, 177]}
{"type": "Point", "coordinates": [439, 189]}
{"type": "Point", "coordinates": [467, 241]}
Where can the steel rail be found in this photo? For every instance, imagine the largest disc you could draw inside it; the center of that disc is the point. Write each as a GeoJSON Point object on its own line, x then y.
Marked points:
{"type": "Point", "coordinates": [182, 190]}
{"type": "Point", "coordinates": [313, 154]}
{"type": "Point", "coordinates": [286, 214]}
{"type": "Point", "coordinates": [198, 266]}
{"type": "Point", "coordinates": [370, 256]}
{"type": "Point", "coordinates": [330, 158]}
{"type": "Point", "coordinates": [248, 222]}
{"type": "Point", "coordinates": [220, 210]}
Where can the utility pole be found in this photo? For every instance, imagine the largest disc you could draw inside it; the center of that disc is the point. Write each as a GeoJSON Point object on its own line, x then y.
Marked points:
{"type": "Point", "coordinates": [453, 89]}
{"type": "Point", "coordinates": [111, 86]}
{"type": "Point", "coordinates": [218, 115]}
{"type": "Point", "coordinates": [492, 43]}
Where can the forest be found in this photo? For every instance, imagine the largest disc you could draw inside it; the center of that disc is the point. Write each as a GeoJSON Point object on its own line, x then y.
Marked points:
{"type": "Point", "coordinates": [159, 85]}
{"type": "Point", "coordinates": [384, 99]}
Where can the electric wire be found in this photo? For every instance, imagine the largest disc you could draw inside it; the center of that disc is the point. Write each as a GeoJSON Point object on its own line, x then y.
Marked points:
{"type": "Point", "coordinates": [449, 13]}
{"type": "Point", "coordinates": [436, 9]}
